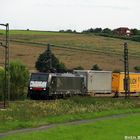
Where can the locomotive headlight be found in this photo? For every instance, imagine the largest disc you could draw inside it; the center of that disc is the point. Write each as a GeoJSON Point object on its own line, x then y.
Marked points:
{"type": "Point", "coordinates": [31, 88]}
{"type": "Point", "coordinates": [44, 88]}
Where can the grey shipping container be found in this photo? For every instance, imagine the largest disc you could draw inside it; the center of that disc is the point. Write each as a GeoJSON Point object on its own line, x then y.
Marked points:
{"type": "Point", "coordinates": [67, 84]}
{"type": "Point", "coordinates": [96, 81]}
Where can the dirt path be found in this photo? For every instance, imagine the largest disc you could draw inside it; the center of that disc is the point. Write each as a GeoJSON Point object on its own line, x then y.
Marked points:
{"type": "Point", "coordinates": [47, 127]}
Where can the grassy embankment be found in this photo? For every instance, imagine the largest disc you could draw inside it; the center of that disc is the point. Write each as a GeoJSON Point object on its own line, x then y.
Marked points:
{"type": "Point", "coordinates": [25, 114]}
{"type": "Point", "coordinates": [73, 49]}
{"type": "Point", "coordinates": [113, 129]}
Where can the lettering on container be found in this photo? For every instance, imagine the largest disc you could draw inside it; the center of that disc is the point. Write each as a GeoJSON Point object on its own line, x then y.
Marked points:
{"type": "Point", "coordinates": [133, 81]}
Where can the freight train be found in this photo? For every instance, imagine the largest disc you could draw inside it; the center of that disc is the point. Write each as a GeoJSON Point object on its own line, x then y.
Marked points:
{"type": "Point", "coordinates": [80, 82]}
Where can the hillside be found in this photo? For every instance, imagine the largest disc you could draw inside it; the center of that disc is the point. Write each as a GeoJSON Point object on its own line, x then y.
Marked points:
{"type": "Point", "coordinates": [72, 49]}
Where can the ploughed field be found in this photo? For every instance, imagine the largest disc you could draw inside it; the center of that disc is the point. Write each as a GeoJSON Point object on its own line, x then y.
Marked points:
{"type": "Point", "coordinates": [72, 49]}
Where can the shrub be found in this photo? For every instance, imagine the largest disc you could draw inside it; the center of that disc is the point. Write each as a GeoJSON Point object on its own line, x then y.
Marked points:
{"type": "Point", "coordinates": [135, 38]}
{"type": "Point", "coordinates": [135, 31]}
{"type": "Point", "coordinates": [96, 67]}
{"type": "Point", "coordinates": [137, 68]}
{"type": "Point", "coordinates": [19, 77]}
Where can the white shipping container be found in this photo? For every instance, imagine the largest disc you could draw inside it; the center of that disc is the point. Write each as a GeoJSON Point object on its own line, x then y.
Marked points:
{"type": "Point", "coordinates": [96, 81]}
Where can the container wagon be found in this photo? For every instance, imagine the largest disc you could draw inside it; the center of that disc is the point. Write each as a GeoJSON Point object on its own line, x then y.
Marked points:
{"type": "Point", "coordinates": [99, 82]}
{"type": "Point", "coordinates": [45, 85]}
{"type": "Point", "coordinates": [118, 82]}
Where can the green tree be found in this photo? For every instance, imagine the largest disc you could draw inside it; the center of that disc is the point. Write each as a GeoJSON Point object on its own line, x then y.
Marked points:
{"type": "Point", "coordinates": [91, 30]}
{"type": "Point", "coordinates": [19, 77]}
{"type": "Point", "coordinates": [47, 62]}
{"type": "Point", "coordinates": [69, 31]}
{"type": "Point", "coordinates": [98, 30]}
{"type": "Point", "coordinates": [107, 31]}
{"type": "Point", "coordinates": [96, 67]}
{"type": "Point", "coordinates": [135, 32]}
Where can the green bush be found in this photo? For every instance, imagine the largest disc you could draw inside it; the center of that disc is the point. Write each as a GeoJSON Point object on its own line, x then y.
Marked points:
{"type": "Point", "coordinates": [19, 77]}
{"type": "Point", "coordinates": [137, 68]}
{"type": "Point", "coordinates": [96, 67]}
{"type": "Point", "coordinates": [136, 38]}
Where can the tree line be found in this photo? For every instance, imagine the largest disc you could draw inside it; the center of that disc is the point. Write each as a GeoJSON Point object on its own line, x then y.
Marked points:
{"type": "Point", "coordinates": [134, 31]}
{"type": "Point", "coordinates": [107, 32]}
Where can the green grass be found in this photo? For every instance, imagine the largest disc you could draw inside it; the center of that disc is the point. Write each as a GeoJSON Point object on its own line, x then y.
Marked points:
{"type": "Point", "coordinates": [25, 114]}
{"type": "Point", "coordinates": [112, 129]}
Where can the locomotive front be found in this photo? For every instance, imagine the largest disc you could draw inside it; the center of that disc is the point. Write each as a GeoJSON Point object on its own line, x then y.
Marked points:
{"type": "Point", "coordinates": [38, 86]}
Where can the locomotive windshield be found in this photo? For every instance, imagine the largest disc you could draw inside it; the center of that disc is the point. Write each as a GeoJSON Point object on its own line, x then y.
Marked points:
{"type": "Point", "coordinates": [39, 77]}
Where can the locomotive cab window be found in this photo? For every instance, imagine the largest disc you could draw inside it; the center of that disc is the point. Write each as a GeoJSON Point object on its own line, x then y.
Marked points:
{"type": "Point", "coordinates": [39, 77]}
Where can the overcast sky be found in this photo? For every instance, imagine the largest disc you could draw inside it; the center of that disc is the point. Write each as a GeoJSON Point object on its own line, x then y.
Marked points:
{"type": "Point", "coordinates": [70, 14]}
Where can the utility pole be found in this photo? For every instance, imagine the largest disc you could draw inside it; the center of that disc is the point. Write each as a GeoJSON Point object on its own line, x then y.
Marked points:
{"type": "Point", "coordinates": [50, 56]}
{"type": "Point", "coordinates": [6, 94]}
{"type": "Point", "coordinates": [126, 72]}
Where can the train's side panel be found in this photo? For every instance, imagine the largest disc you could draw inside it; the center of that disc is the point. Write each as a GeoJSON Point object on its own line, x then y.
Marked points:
{"type": "Point", "coordinates": [135, 82]}
{"type": "Point", "coordinates": [101, 81]}
{"type": "Point", "coordinates": [84, 74]}
{"type": "Point", "coordinates": [118, 82]}
{"type": "Point", "coordinates": [115, 81]}
{"type": "Point", "coordinates": [90, 82]}
{"type": "Point", "coordinates": [67, 85]}
{"type": "Point", "coordinates": [121, 83]}
{"type": "Point", "coordinates": [138, 83]}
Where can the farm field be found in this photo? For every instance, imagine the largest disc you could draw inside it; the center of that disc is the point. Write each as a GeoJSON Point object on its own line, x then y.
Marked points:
{"type": "Point", "coordinates": [73, 49]}
{"type": "Point", "coordinates": [115, 129]}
